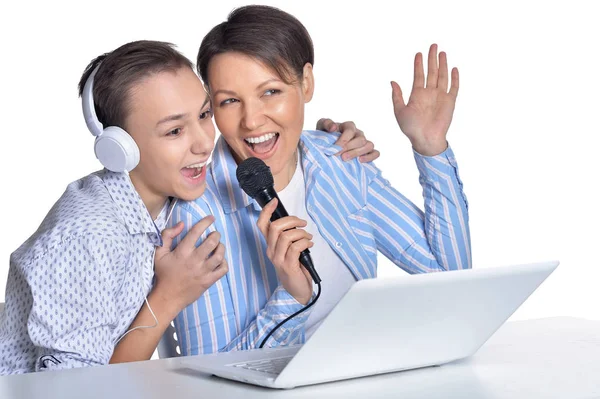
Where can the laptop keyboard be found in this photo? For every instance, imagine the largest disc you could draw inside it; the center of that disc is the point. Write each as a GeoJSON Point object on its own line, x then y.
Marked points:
{"type": "Point", "coordinates": [269, 366]}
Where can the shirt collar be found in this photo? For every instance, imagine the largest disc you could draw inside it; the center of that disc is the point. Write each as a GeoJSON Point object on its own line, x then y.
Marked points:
{"type": "Point", "coordinates": [223, 168]}
{"type": "Point", "coordinates": [315, 149]}
{"type": "Point", "coordinates": [133, 211]}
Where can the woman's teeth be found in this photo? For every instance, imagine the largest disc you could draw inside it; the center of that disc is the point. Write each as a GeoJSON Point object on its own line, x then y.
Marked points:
{"type": "Point", "coordinates": [261, 139]}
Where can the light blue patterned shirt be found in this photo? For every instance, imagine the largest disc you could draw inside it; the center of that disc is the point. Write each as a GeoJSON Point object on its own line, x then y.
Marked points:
{"type": "Point", "coordinates": [78, 282]}
{"type": "Point", "coordinates": [356, 211]}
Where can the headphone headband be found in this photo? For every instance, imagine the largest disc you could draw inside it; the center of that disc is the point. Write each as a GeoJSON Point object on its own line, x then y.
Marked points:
{"type": "Point", "coordinates": [87, 102]}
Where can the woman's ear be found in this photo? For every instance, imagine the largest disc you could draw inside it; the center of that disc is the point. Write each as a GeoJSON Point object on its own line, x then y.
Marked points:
{"type": "Point", "coordinates": [308, 82]}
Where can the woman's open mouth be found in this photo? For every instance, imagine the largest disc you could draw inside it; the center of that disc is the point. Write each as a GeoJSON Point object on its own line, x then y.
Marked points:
{"type": "Point", "coordinates": [262, 145]}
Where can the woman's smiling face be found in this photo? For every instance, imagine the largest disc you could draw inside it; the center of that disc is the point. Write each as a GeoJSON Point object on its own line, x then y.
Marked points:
{"type": "Point", "coordinates": [257, 112]}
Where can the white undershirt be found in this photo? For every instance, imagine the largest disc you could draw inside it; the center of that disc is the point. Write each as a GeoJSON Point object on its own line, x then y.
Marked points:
{"type": "Point", "coordinates": [336, 277]}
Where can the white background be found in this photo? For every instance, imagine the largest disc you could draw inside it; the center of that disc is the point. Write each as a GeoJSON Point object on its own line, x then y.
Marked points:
{"type": "Point", "coordinates": [525, 130]}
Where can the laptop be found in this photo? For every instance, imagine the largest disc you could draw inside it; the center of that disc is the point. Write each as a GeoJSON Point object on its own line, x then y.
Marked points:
{"type": "Point", "coordinates": [385, 325]}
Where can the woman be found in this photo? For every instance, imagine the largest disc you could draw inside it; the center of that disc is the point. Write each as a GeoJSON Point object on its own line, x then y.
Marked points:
{"type": "Point", "coordinates": [343, 212]}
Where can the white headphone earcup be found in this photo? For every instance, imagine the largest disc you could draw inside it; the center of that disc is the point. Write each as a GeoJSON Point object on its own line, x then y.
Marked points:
{"type": "Point", "coordinates": [116, 150]}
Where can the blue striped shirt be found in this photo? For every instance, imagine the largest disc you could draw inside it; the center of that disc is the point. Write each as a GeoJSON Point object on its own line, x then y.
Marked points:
{"type": "Point", "coordinates": [357, 212]}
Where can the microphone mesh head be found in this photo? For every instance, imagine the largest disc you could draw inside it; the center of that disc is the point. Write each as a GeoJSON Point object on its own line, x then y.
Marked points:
{"type": "Point", "coordinates": [254, 176]}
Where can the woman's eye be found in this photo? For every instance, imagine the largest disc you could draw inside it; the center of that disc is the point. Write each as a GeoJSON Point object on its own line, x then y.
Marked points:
{"type": "Point", "coordinates": [270, 92]}
{"type": "Point", "coordinates": [228, 101]}
{"type": "Point", "coordinates": [174, 132]}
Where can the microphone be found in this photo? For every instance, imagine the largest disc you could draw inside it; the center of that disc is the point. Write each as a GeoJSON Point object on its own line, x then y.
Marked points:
{"type": "Point", "coordinates": [256, 180]}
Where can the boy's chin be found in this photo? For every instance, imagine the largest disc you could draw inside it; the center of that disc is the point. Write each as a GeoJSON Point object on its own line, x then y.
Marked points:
{"type": "Point", "coordinates": [191, 195]}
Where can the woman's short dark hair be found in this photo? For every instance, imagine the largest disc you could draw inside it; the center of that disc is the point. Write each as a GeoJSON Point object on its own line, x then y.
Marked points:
{"type": "Point", "coordinates": [122, 69]}
{"type": "Point", "coordinates": [266, 34]}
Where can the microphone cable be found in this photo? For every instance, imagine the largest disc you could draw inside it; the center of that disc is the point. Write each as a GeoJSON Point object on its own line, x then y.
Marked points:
{"type": "Point", "coordinates": [292, 316]}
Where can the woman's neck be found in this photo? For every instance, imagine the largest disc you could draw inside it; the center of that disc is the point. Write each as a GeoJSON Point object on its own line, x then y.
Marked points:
{"type": "Point", "coordinates": [283, 178]}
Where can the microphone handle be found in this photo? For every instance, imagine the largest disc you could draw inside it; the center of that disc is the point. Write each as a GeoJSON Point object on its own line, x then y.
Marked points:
{"type": "Point", "coordinates": [263, 198]}
{"type": "Point", "coordinates": [266, 196]}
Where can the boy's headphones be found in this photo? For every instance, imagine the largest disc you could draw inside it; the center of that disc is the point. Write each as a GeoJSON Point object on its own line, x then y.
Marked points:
{"type": "Point", "coordinates": [114, 147]}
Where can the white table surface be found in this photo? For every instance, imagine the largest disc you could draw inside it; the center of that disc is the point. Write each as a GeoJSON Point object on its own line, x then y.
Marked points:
{"type": "Point", "coordinates": [543, 358]}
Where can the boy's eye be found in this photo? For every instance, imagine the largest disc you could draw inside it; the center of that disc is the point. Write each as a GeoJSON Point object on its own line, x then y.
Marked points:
{"type": "Point", "coordinates": [206, 114]}
{"type": "Point", "coordinates": [174, 132]}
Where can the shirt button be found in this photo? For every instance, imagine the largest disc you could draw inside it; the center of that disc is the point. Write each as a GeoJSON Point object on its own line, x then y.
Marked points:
{"type": "Point", "coordinates": [310, 208]}
{"type": "Point", "coordinates": [338, 244]}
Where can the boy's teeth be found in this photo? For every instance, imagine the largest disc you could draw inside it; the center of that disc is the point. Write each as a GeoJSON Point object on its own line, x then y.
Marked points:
{"type": "Point", "coordinates": [196, 165]}
{"type": "Point", "coordinates": [263, 138]}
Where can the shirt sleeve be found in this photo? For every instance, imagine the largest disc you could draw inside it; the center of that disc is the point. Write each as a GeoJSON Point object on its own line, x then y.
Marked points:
{"type": "Point", "coordinates": [434, 240]}
{"type": "Point", "coordinates": [280, 306]}
{"type": "Point", "coordinates": [73, 315]}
